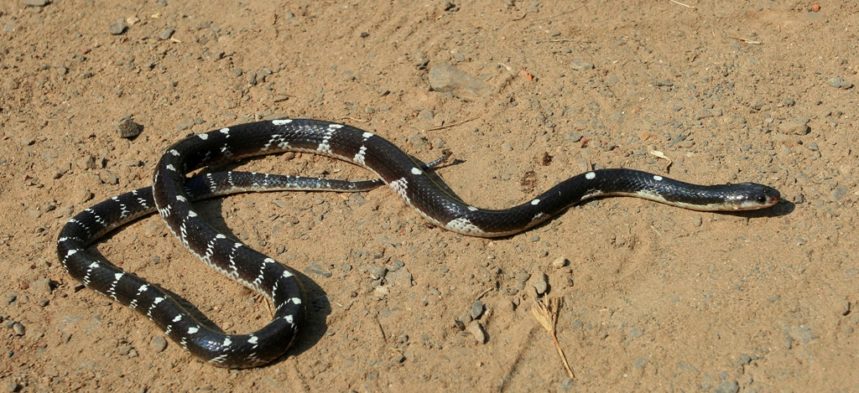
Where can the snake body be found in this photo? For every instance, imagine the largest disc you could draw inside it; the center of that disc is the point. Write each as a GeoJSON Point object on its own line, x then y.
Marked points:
{"type": "Point", "coordinates": [172, 193]}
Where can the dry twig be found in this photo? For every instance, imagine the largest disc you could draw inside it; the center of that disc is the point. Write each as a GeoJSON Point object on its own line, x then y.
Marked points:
{"type": "Point", "coordinates": [679, 3]}
{"type": "Point", "coordinates": [452, 124]}
{"type": "Point", "coordinates": [662, 155]}
{"type": "Point", "coordinates": [545, 311]}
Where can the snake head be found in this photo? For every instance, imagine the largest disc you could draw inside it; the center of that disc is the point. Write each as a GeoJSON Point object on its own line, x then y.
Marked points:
{"type": "Point", "coordinates": [753, 196]}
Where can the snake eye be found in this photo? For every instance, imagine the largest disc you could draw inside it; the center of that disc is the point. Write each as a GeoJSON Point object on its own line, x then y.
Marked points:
{"type": "Point", "coordinates": [761, 198]}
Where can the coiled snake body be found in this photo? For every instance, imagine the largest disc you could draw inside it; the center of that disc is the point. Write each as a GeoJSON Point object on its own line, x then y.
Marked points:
{"type": "Point", "coordinates": [172, 194]}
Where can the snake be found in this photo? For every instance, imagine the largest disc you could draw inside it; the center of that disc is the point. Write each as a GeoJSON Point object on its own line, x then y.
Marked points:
{"type": "Point", "coordinates": [176, 186]}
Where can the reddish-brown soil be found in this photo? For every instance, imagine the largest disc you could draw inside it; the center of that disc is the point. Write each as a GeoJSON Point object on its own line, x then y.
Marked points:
{"type": "Point", "coordinates": [655, 298]}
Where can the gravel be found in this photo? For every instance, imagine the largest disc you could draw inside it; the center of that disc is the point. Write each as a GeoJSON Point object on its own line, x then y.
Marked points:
{"type": "Point", "coordinates": [18, 328]}
{"type": "Point", "coordinates": [476, 330]}
{"type": "Point", "coordinates": [166, 34]}
{"type": "Point", "coordinates": [377, 272]}
{"type": "Point", "coordinates": [41, 286]}
{"type": "Point", "coordinates": [476, 309]}
{"type": "Point", "coordinates": [158, 343]}
{"type": "Point", "coordinates": [581, 65]}
{"type": "Point", "coordinates": [840, 83]}
{"type": "Point", "coordinates": [128, 128]}
{"type": "Point", "coordinates": [315, 268]}
{"type": "Point", "coordinates": [728, 387]}
{"type": "Point", "coordinates": [446, 78]}
{"type": "Point", "coordinates": [560, 262]}
{"type": "Point", "coordinates": [795, 126]}
{"type": "Point", "coordinates": [36, 3]}
{"type": "Point", "coordinates": [118, 27]}
{"type": "Point", "coordinates": [541, 285]}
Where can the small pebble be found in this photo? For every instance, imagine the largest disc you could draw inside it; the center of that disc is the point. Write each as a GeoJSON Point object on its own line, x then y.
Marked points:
{"type": "Point", "coordinates": [476, 309]}
{"type": "Point", "coordinates": [378, 272]}
{"type": "Point", "coordinates": [398, 264]}
{"type": "Point", "coordinates": [128, 128]}
{"type": "Point", "coordinates": [118, 27]}
{"type": "Point", "coordinates": [400, 278]}
{"type": "Point", "coordinates": [36, 3]}
{"type": "Point", "coordinates": [581, 65]}
{"type": "Point", "coordinates": [41, 286]}
{"type": "Point", "coordinates": [10, 298]}
{"type": "Point", "coordinates": [838, 193]}
{"type": "Point", "coordinates": [13, 387]}
{"type": "Point", "coordinates": [166, 33]}
{"type": "Point", "coordinates": [18, 328]}
{"type": "Point", "coordinates": [840, 83]}
{"type": "Point", "coordinates": [124, 348]}
{"type": "Point", "coordinates": [797, 126]}
{"type": "Point", "coordinates": [314, 268]}
{"type": "Point", "coordinates": [567, 384]}
{"type": "Point", "coordinates": [541, 286]}
{"type": "Point", "coordinates": [560, 262]}
{"type": "Point", "coordinates": [728, 387]}
{"type": "Point", "coordinates": [476, 330]}
{"type": "Point", "coordinates": [574, 137]}
{"type": "Point", "coordinates": [158, 343]}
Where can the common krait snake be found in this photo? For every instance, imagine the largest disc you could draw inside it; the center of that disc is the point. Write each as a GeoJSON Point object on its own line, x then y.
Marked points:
{"type": "Point", "coordinates": [173, 193]}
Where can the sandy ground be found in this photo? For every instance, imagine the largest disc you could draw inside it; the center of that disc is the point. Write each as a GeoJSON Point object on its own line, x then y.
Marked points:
{"type": "Point", "coordinates": [655, 298]}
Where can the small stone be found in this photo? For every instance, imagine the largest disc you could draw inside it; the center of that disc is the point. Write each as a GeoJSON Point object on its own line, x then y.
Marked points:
{"type": "Point", "coordinates": [128, 128]}
{"type": "Point", "coordinates": [426, 115]}
{"type": "Point", "coordinates": [567, 384]}
{"type": "Point", "coordinates": [541, 286]}
{"type": "Point", "coordinates": [447, 78]}
{"type": "Point", "coordinates": [744, 359]}
{"type": "Point", "coordinates": [158, 343]}
{"type": "Point", "coordinates": [36, 3]}
{"type": "Point", "coordinates": [574, 137]}
{"type": "Point", "coordinates": [838, 193]}
{"type": "Point", "coordinates": [665, 83]}
{"type": "Point", "coordinates": [166, 33]}
{"type": "Point", "coordinates": [18, 328]}
{"type": "Point", "coordinates": [476, 309]}
{"type": "Point", "coordinates": [41, 286]}
{"type": "Point", "coordinates": [581, 65]}
{"type": "Point", "coordinates": [108, 177]}
{"type": "Point", "coordinates": [381, 292]}
{"type": "Point", "coordinates": [840, 83]}
{"type": "Point", "coordinates": [797, 126]}
{"type": "Point", "coordinates": [13, 387]}
{"type": "Point", "coordinates": [398, 264]}
{"type": "Point", "coordinates": [378, 272]}
{"type": "Point", "coordinates": [314, 268]}
{"type": "Point", "coordinates": [10, 298]}
{"type": "Point", "coordinates": [118, 27]}
{"type": "Point", "coordinates": [476, 330]}
{"type": "Point", "coordinates": [400, 278]}
{"type": "Point", "coordinates": [845, 308]}
{"type": "Point", "coordinates": [799, 199]}
{"type": "Point", "coordinates": [560, 262]}
{"type": "Point", "coordinates": [728, 387]}
{"type": "Point", "coordinates": [124, 348]}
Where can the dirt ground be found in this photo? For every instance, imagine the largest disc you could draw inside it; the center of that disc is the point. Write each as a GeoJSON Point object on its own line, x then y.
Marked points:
{"type": "Point", "coordinates": [656, 298]}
